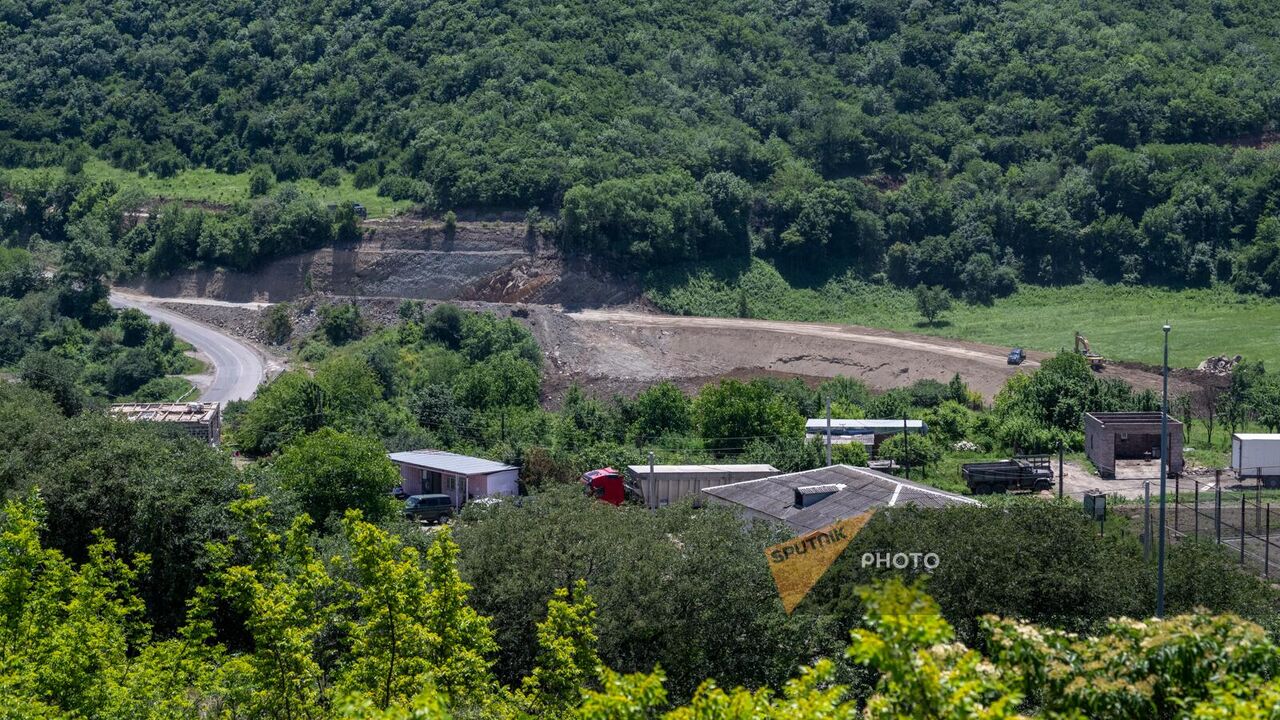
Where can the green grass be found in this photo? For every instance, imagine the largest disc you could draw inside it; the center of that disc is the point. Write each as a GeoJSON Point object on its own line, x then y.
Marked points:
{"type": "Point", "coordinates": [1122, 323]}
{"type": "Point", "coordinates": [170, 388]}
{"type": "Point", "coordinates": [209, 186]}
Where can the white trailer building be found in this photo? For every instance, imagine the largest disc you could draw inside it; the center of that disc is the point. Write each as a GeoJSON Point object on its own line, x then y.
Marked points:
{"type": "Point", "coordinates": [661, 485]}
{"type": "Point", "coordinates": [1256, 456]}
{"type": "Point", "coordinates": [461, 477]}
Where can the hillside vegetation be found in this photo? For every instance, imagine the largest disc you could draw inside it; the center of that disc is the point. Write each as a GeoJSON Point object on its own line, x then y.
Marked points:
{"type": "Point", "coordinates": [957, 143]}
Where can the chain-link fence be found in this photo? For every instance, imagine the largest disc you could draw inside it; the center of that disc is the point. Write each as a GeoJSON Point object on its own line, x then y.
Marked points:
{"type": "Point", "coordinates": [1237, 516]}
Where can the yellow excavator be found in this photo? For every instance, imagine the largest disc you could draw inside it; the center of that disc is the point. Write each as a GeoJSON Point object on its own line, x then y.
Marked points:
{"type": "Point", "coordinates": [1096, 361]}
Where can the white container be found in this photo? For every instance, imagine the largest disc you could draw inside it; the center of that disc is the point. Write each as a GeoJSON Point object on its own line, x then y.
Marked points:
{"type": "Point", "coordinates": [1256, 455]}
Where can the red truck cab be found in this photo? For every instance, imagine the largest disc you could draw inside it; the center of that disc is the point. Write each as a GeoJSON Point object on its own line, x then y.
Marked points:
{"type": "Point", "coordinates": [606, 484]}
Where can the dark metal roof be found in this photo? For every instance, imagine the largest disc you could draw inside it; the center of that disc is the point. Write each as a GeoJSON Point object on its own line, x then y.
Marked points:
{"type": "Point", "coordinates": [860, 490]}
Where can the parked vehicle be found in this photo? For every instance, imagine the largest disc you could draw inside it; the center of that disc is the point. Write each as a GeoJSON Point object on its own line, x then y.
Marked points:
{"type": "Point", "coordinates": [1025, 472]}
{"type": "Point", "coordinates": [428, 508]}
{"type": "Point", "coordinates": [1016, 356]}
{"type": "Point", "coordinates": [608, 485]}
{"type": "Point", "coordinates": [662, 485]}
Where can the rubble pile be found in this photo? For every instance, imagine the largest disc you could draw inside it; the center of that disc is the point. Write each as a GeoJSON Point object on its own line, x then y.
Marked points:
{"type": "Point", "coordinates": [1220, 364]}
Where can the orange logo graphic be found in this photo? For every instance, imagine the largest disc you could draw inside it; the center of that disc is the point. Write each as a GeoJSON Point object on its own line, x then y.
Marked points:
{"type": "Point", "coordinates": [799, 563]}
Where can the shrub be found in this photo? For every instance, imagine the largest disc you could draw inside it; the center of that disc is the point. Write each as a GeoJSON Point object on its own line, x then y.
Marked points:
{"type": "Point", "coordinates": [331, 177]}
{"type": "Point", "coordinates": [261, 178]}
{"type": "Point", "coordinates": [341, 324]}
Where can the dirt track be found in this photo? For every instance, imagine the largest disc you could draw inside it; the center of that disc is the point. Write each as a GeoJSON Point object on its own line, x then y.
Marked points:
{"type": "Point", "coordinates": [650, 347]}
{"type": "Point", "coordinates": [593, 345]}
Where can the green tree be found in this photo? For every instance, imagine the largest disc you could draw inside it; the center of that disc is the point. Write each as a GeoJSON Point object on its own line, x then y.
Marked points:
{"type": "Point", "coordinates": [341, 323]}
{"type": "Point", "coordinates": [413, 626]}
{"type": "Point", "coordinates": [261, 178]}
{"type": "Point", "coordinates": [504, 380]}
{"type": "Point", "coordinates": [57, 376]}
{"type": "Point", "coordinates": [731, 412]}
{"type": "Point", "coordinates": [851, 453]}
{"type": "Point", "coordinates": [132, 369]}
{"type": "Point", "coordinates": [277, 323]}
{"type": "Point", "coordinates": [293, 404]}
{"type": "Point", "coordinates": [932, 302]}
{"type": "Point", "coordinates": [135, 326]}
{"type": "Point", "coordinates": [910, 449]}
{"type": "Point", "coordinates": [567, 662]}
{"type": "Point", "coordinates": [276, 590]}
{"type": "Point", "coordinates": [330, 471]}
{"type": "Point", "coordinates": [444, 325]}
{"type": "Point", "coordinates": [660, 410]}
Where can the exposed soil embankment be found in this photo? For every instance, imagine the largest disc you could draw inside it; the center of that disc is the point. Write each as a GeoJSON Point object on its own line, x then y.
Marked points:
{"type": "Point", "coordinates": [410, 258]}
{"type": "Point", "coordinates": [624, 350]}
{"type": "Point", "coordinates": [592, 326]}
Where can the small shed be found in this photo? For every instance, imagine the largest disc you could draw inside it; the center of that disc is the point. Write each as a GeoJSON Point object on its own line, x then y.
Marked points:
{"type": "Point", "coordinates": [200, 419]}
{"type": "Point", "coordinates": [461, 477]}
{"type": "Point", "coordinates": [1113, 436]}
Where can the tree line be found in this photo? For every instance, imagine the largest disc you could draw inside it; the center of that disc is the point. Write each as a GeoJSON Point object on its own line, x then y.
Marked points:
{"type": "Point", "coordinates": [147, 576]}
{"type": "Point", "coordinates": [960, 145]}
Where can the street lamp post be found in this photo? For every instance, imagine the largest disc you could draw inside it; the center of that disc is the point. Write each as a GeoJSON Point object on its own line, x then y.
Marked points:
{"type": "Point", "coordinates": [1164, 464]}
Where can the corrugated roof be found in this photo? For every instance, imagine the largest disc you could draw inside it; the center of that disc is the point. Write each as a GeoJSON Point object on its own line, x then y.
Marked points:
{"type": "Point", "coordinates": [442, 461]}
{"type": "Point", "coordinates": [643, 469]}
{"type": "Point", "coordinates": [863, 490]}
{"type": "Point", "coordinates": [819, 425]}
{"type": "Point", "coordinates": [193, 412]}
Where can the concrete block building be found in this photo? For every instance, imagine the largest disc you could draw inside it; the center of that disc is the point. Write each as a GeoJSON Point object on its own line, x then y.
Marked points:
{"type": "Point", "coordinates": [200, 419]}
{"type": "Point", "coordinates": [1113, 436]}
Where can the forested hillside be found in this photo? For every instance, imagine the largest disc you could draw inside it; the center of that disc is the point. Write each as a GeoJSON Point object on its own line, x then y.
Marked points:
{"type": "Point", "coordinates": [967, 143]}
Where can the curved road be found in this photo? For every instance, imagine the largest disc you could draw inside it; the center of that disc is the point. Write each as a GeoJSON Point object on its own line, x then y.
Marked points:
{"type": "Point", "coordinates": [238, 368]}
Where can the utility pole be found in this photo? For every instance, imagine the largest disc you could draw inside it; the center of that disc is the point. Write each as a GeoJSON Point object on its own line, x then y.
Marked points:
{"type": "Point", "coordinates": [1060, 476]}
{"type": "Point", "coordinates": [828, 432]}
{"type": "Point", "coordinates": [1146, 521]}
{"type": "Point", "coordinates": [906, 447]}
{"type": "Point", "coordinates": [653, 489]}
{"type": "Point", "coordinates": [1164, 464]}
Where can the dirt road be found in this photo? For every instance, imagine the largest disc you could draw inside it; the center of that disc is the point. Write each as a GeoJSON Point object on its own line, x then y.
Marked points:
{"type": "Point", "coordinates": [628, 344]}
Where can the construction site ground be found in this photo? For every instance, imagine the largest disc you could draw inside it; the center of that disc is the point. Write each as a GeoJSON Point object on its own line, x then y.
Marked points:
{"type": "Point", "coordinates": [595, 328]}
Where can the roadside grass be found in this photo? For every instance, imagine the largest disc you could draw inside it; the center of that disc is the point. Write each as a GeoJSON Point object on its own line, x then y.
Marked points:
{"type": "Point", "coordinates": [192, 366]}
{"type": "Point", "coordinates": [170, 388]}
{"type": "Point", "coordinates": [1121, 322]}
{"type": "Point", "coordinates": [202, 185]}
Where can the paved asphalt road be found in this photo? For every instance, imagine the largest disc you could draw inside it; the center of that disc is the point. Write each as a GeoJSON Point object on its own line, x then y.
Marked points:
{"type": "Point", "coordinates": [238, 368]}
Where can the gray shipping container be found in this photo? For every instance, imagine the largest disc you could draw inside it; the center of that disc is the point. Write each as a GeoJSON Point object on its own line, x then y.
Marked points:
{"type": "Point", "coordinates": [671, 483]}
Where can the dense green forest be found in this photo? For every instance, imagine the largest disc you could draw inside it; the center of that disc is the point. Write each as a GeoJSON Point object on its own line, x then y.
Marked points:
{"type": "Point", "coordinates": [961, 143]}
{"type": "Point", "coordinates": [146, 575]}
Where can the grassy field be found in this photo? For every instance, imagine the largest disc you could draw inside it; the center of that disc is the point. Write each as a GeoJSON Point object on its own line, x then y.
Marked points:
{"type": "Point", "coordinates": [204, 185]}
{"type": "Point", "coordinates": [1122, 323]}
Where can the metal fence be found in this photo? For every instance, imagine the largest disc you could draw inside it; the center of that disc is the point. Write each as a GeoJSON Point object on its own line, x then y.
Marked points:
{"type": "Point", "coordinates": [1238, 517]}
